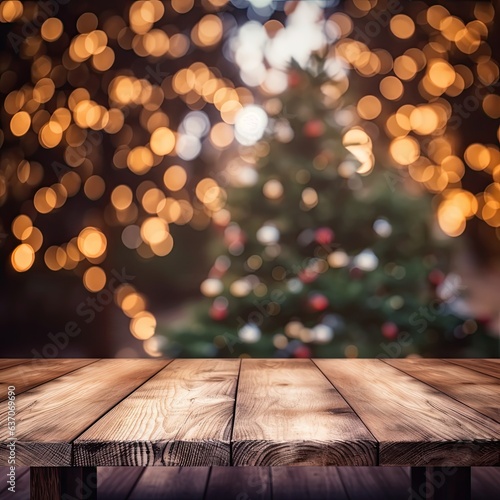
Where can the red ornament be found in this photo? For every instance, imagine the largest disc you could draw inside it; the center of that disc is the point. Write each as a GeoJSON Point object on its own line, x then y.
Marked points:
{"type": "Point", "coordinates": [302, 352]}
{"type": "Point", "coordinates": [314, 128]}
{"type": "Point", "coordinates": [390, 330]}
{"type": "Point", "coordinates": [307, 275]}
{"type": "Point", "coordinates": [318, 302]}
{"type": "Point", "coordinates": [323, 236]}
{"type": "Point", "coordinates": [436, 277]}
{"type": "Point", "coordinates": [294, 79]}
{"type": "Point", "coordinates": [356, 273]}
{"type": "Point", "coordinates": [218, 312]}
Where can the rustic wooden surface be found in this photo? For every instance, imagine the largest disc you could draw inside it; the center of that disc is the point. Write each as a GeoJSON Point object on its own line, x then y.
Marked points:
{"type": "Point", "coordinates": [288, 413]}
{"type": "Point", "coordinates": [254, 412]}
{"type": "Point", "coordinates": [414, 423]}
{"type": "Point", "coordinates": [474, 389]}
{"type": "Point", "coordinates": [487, 366]}
{"type": "Point", "coordinates": [182, 416]}
{"type": "Point", "coordinates": [5, 363]}
{"type": "Point", "coordinates": [176, 483]}
{"type": "Point", "coordinates": [257, 483]}
{"type": "Point", "coordinates": [51, 416]}
{"type": "Point", "coordinates": [36, 372]}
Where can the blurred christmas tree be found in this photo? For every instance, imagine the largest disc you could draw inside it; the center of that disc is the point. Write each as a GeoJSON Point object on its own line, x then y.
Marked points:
{"type": "Point", "coordinates": [324, 255]}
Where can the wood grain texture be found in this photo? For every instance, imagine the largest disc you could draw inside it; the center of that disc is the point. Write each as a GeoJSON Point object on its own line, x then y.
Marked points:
{"type": "Point", "coordinates": [487, 366]}
{"type": "Point", "coordinates": [287, 413]}
{"type": "Point", "coordinates": [171, 483]}
{"type": "Point", "coordinates": [75, 483]}
{"type": "Point", "coordinates": [308, 483]}
{"type": "Point", "coordinates": [230, 483]}
{"type": "Point", "coordinates": [182, 416]}
{"type": "Point", "coordinates": [441, 483]}
{"type": "Point", "coordinates": [485, 483]}
{"type": "Point", "coordinates": [414, 423]}
{"type": "Point", "coordinates": [7, 362]}
{"type": "Point", "coordinates": [376, 483]}
{"type": "Point", "coordinates": [45, 483]}
{"type": "Point", "coordinates": [50, 416]}
{"type": "Point", "coordinates": [36, 372]}
{"type": "Point", "coordinates": [470, 387]}
{"type": "Point", "coordinates": [116, 483]}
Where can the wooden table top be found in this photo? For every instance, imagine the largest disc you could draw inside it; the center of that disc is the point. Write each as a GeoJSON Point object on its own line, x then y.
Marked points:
{"type": "Point", "coordinates": [201, 412]}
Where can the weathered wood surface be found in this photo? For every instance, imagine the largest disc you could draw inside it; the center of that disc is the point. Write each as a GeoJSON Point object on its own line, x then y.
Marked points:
{"type": "Point", "coordinates": [6, 363]}
{"type": "Point", "coordinates": [472, 388]}
{"type": "Point", "coordinates": [170, 483]}
{"type": "Point", "coordinates": [485, 483]}
{"type": "Point", "coordinates": [373, 483]}
{"type": "Point", "coordinates": [414, 423]}
{"type": "Point", "coordinates": [116, 483]}
{"type": "Point", "coordinates": [288, 414]}
{"type": "Point", "coordinates": [36, 372]}
{"type": "Point", "coordinates": [239, 483]}
{"type": "Point", "coordinates": [286, 483]}
{"type": "Point", "coordinates": [49, 417]}
{"type": "Point", "coordinates": [254, 412]}
{"type": "Point", "coordinates": [486, 366]}
{"type": "Point", "coordinates": [182, 416]}
{"type": "Point", "coordinates": [296, 483]}
{"type": "Point", "coordinates": [75, 483]}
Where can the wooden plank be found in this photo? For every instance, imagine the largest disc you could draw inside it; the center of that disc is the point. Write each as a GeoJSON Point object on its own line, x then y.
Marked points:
{"type": "Point", "coordinates": [440, 483]}
{"type": "Point", "coordinates": [375, 483]}
{"type": "Point", "coordinates": [116, 483]}
{"type": "Point", "coordinates": [76, 483]}
{"type": "Point", "coordinates": [8, 362]}
{"type": "Point", "coordinates": [229, 483]}
{"type": "Point", "coordinates": [36, 372]}
{"type": "Point", "coordinates": [171, 483]}
{"type": "Point", "coordinates": [471, 388]}
{"type": "Point", "coordinates": [287, 413]}
{"type": "Point", "coordinates": [487, 366]}
{"type": "Point", "coordinates": [485, 483]}
{"type": "Point", "coordinates": [182, 416]}
{"type": "Point", "coordinates": [414, 423]}
{"type": "Point", "coordinates": [50, 416]}
{"type": "Point", "coordinates": [308, 483]}
{"type": "Point", "coordinates": [22, 486]}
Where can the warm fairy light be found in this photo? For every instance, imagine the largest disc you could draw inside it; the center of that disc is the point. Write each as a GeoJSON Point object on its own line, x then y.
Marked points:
{"type": "Point", "coordinates": [391, 88]}
{"type": "Point", "coordinates": [369, 107]}
{"type": "Point", "coordinates": [175, 178]}
{"type": "Point", "coordinates": [92, 242]}
{"type": "Point", "coordinates": [477, 156]}
{"type": "Point", "coordinates": [20, 123]}
{"type": "Point", "coordinates": [154, 230]}
{"type": "Point", "coordinates": [143, 325]}
{"type": "Point", "coordinates": [52, 29]}
{"type": "Point", "coordinates": [80, 101]}
{"type": "Point", "coordinates": [162, 141]}
{"type": "Point", "coordinates": [404, 150]}
{"type": "Point", "coordinates": [94, 187]}
{"type": "Point", "coordinates": [402, 26]}
{"type": "Point", "coordinates": [10, 11]}
{"type": "Point", "coordinates": [22, 226]}
{"type": "Point", "coordinates": [273, 189]}
{"type": "Point", "coordinates": [133, 304]}
{"type": "Point", "coordinates": [22, 257]}
{"type": "Point", "coordinates": [94, 279]}
{"type": "Point", "coordinates": [208, 31]}
{"type": "Point", "coordinates": [140, 160]}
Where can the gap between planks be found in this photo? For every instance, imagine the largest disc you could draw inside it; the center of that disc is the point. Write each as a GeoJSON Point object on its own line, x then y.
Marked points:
{"type": "Point", "coordinates": [73, 462]}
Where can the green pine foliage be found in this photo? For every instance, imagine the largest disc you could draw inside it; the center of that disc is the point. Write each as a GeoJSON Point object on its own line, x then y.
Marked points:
{"type": "Point", "coordinates": [355, 273]}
